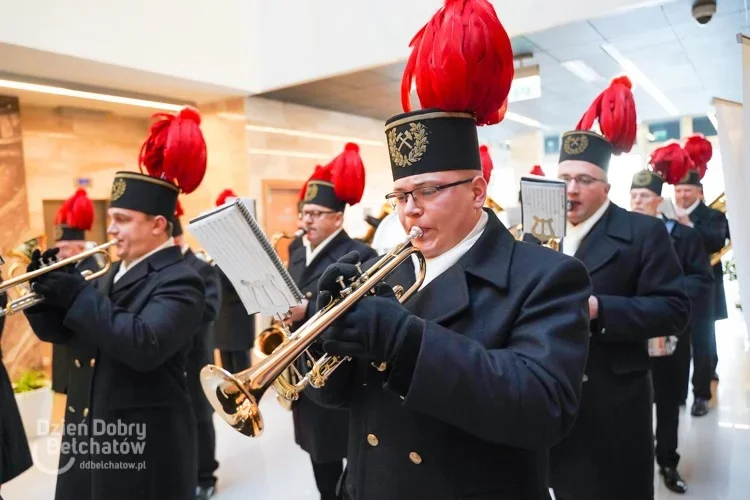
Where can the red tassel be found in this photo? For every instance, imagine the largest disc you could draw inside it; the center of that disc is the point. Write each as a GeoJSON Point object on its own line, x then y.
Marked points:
{"type": "Point", "coordinates": [671, 162]}
{"type": "Point", "coordinates": [537, 170]}
{"type": "Point", "coordinates": [176, 150]}
{"type": "Point", "coordinates": [348, 175]}
{"type": "Point", "coordinates": [487, 165]}
{"type": "Point", "coordinates": [77, 211]}
{"type": "Point", "coordinates": [461, 61]}
{"type": "Point", "coordinates": [700, 151]}
{"type": "Point", "coordinates": [227, 193]}
{"type": "Point", "coordinates": [615, 110]}
{"type": "Point", "coordinates": [178, 211]}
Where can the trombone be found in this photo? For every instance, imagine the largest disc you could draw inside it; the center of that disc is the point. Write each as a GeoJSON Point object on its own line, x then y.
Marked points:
{"type": "Point", "coordinates": [31, 298]}
{"type": "Point", "coordinates": [236, 396]}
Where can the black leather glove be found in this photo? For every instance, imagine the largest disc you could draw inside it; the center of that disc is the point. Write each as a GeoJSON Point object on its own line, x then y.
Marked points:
{"type": "Point", "coordinates": [373, 328]}
{"type": "Point", "coordinates": [60, 287]}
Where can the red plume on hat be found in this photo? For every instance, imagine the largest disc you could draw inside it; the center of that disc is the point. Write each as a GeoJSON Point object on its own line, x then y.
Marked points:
{"type": "Point", "coordinates": [487, 165]}
{"type": "Point", "coordinates": [222, 198]}
{"type": "Point", "coordinates": [615, 110]}
{"type": "Point", "coordinates": [77, 212]}
{"type": "Point", "coordinates": [537, 170]}
{"type": "Point", "coordinates": [671, 162]}
{"type": "Point", "coordinates": [347, 173]}
{"type": "Point", "coordinates": [175, 149]}
{"type": "Point", "coordinates": [178, 211]}
{"type": "Point", "coordinates": [461, 61]}
{"type": "Point", "coordinates": [700, 150]}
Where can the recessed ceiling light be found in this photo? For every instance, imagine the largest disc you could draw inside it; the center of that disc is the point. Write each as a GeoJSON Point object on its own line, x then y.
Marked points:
{"type": "Point", "coordinates": [284, 152]}
{"type": "Point", "coordinates": [582, 71]}
{"type": "Point", "coordinates": [313, 135]}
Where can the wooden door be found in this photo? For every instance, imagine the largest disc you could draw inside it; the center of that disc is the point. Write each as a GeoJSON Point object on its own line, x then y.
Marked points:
{"type": "Point", "coordinates": [98, 231]}
{"type": "Point", "coordinates": [280, 199]}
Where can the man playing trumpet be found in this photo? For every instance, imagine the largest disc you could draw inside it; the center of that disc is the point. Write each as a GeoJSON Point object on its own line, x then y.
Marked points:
{"type": "Point", "coordinates": [139, 319]}
{"type": "Point", "coordinates": [457, 392]}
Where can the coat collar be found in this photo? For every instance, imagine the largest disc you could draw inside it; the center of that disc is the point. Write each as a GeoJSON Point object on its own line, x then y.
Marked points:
{"type": "Point", "coordinates": [603, 241]}
{"type": "Point", "coordinates": [488, 260]}
{"type": "Point", "coordinates": [155, 262]}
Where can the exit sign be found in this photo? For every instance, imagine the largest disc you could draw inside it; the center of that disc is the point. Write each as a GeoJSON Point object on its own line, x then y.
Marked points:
{"type": "Point", "coordinates": [83, 182]}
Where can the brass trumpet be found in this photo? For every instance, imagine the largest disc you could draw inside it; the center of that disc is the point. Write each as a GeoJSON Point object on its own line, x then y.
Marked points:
{"type": "Point", "coordinates": [236, 396]}
{"type": "Point", "coordinates": [33, 298]}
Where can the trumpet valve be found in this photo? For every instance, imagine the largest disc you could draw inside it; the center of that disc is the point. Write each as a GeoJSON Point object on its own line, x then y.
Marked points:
{"type": "Point", "coordinates": [398, 290]}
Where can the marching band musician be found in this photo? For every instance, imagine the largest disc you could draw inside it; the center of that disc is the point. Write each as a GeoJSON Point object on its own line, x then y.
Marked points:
{"type": "Point", "coordinates": [73, 219]}
{"type": "Point", "coordinates": [140, 318]}
{"type": "Point", "coordinates": [638, 294]}
{"type": "Point", "coordinates": [670, 370]}
{"type": "Point", "coordinates": [200, 355]}
{"type": "Point", "coordinates": [234, 330]}
{"type": "Point", "coordinates": [713, 228]}
{"type": "Point", "coordinates": [457, 392]}
{"type": "Point", "coordinates": [323, 432]}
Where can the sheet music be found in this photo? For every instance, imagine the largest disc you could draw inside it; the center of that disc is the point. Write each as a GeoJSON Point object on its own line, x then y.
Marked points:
{"type": "Point", "coordinates": [232, 237]}
{"type": "Point", "coordinates": [544, 207]}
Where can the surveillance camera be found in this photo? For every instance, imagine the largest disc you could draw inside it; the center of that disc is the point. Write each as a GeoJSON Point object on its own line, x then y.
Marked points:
{"type": "Point", "coordinates": [704, 10]}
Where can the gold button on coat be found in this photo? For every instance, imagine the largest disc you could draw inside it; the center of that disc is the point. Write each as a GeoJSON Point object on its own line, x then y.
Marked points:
{"type": "Point", "coordinates": [415, 457]}
{"type": "Point", "coordinates": [92, 362]}
{"type": "Point", "coordinates": [85, 412]}
{"type": "Point", "coordinates": [77, 363]}
{"type": "Point", "coordinates": [308, 295]}
{"type": "Point", "coordinates": [372, 439]}
{"type": "Point", "coordinates": [71, 409]}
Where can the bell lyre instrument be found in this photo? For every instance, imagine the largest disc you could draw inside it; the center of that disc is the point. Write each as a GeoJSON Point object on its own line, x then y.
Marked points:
{"type": "Point", "coordinates": [236, 396]}
{"type": "Point", "coordinates": [31, 298]}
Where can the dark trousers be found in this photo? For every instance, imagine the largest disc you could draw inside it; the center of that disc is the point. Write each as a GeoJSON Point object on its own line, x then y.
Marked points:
{"type": "Point", "coordinates": [327, 477]}
{"type": "Point", "coordinates": [669, 377]}
{"type": "Point", "coordinates": [206, 435]}
{"type": "Point", "coordinates": [235, 361]}
{"type": "Point", "coordinates": [704, 352]}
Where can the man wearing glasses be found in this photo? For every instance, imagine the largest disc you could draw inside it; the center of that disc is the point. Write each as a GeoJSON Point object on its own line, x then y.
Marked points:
{"type": "Point", "coordinates": [638, 294]}
{"type": "Point", "coordinates": [457, 392]}
{"type": "Point", "coordinates": [322, 432]}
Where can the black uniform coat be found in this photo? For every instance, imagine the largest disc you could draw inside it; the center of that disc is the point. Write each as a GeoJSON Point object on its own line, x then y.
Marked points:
{"type": "Point", "coordinates": [15, 456]}
{"type": "Point", "coordinates": [234, 329]}
{"type": "Point", "coordinates": [321, 432]}
{"type": "Point", "coordinates": [713, 228]}
{"type": "Point", "coordinates": [142, 328]}
{"type": "Point", "coordinates": [64, 357]}
{"type": "Point", "coordinates": [639, 284]}
{"type": "Point", "coordinates": [496, 379]}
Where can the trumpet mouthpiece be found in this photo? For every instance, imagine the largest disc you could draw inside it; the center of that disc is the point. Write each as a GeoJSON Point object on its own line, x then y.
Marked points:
{"type": "Point", "coordinates": [416, 232]}
{"type": "Point", "coordinates": [300, 232]}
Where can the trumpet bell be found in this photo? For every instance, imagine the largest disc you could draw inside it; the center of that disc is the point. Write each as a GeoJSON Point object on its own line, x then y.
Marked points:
{"type": "Point", "coordinates": [240, 407]}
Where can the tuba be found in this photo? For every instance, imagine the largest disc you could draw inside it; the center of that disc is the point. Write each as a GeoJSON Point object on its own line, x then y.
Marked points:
{"type": "Point", "coordinates": [30, 298]}
{"type": "Point", "coordinates": [235, 397]}
{"type": "Point", "coordinates": [720, 204]}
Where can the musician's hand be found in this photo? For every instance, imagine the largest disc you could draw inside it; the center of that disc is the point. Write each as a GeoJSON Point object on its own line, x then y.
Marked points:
{"type": "Point", "coordinates": [298, 313]}
{"type": "Point", "coordinates": [682, 216]}
{"type": "Point", "coordinates": [38, 259]}
{"type": "Point", "coordinates": [345, 267]}
{"type": "Point", "coordinates": [593, 307]}
{"type": "Point", "coordinates": [373, 329]}
{"type": "Point", "coordinates": [60, 287]}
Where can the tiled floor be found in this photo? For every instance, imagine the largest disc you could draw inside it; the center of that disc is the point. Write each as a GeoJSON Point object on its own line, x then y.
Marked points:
{"type": "Point", "coordinates": [715, 448]}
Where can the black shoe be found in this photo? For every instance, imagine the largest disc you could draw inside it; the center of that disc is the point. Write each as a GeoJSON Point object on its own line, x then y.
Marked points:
{"type": "Point", "coordinates": [700, 408]}
{"type": "Point", "coordinates": [672, 480]}
{"type": "Point", "coordinates": [204, 492]}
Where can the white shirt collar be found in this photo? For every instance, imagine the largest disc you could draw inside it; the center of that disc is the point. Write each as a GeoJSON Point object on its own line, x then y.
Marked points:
{"type": "Point", "coordinates": [310, 254]}
{"type": "Point", "coordinates": [438, 265]}
{"type": "Point", "coordinates": [574, 235]}
{"type": "Point", "coordinates": [125, 268]}
{"type": "Point", "coordinates": [692, 207]}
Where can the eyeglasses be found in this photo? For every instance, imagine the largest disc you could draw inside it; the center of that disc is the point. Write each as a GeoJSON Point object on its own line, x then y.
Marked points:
{"type": "Point", "coordinates": [314, 214]}
{"type": "Point", "coordinates": [421, 193]}
{"type": "Point", "coordinates": [583, 180]}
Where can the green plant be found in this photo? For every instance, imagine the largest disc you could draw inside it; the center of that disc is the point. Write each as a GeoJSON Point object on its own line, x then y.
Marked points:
{"type": "Point", "coordinates": [29, 381]}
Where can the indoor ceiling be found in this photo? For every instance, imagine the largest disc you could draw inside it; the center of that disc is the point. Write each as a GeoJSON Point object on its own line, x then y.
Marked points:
{"type": "Point", "coordinates": [689, 63]}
